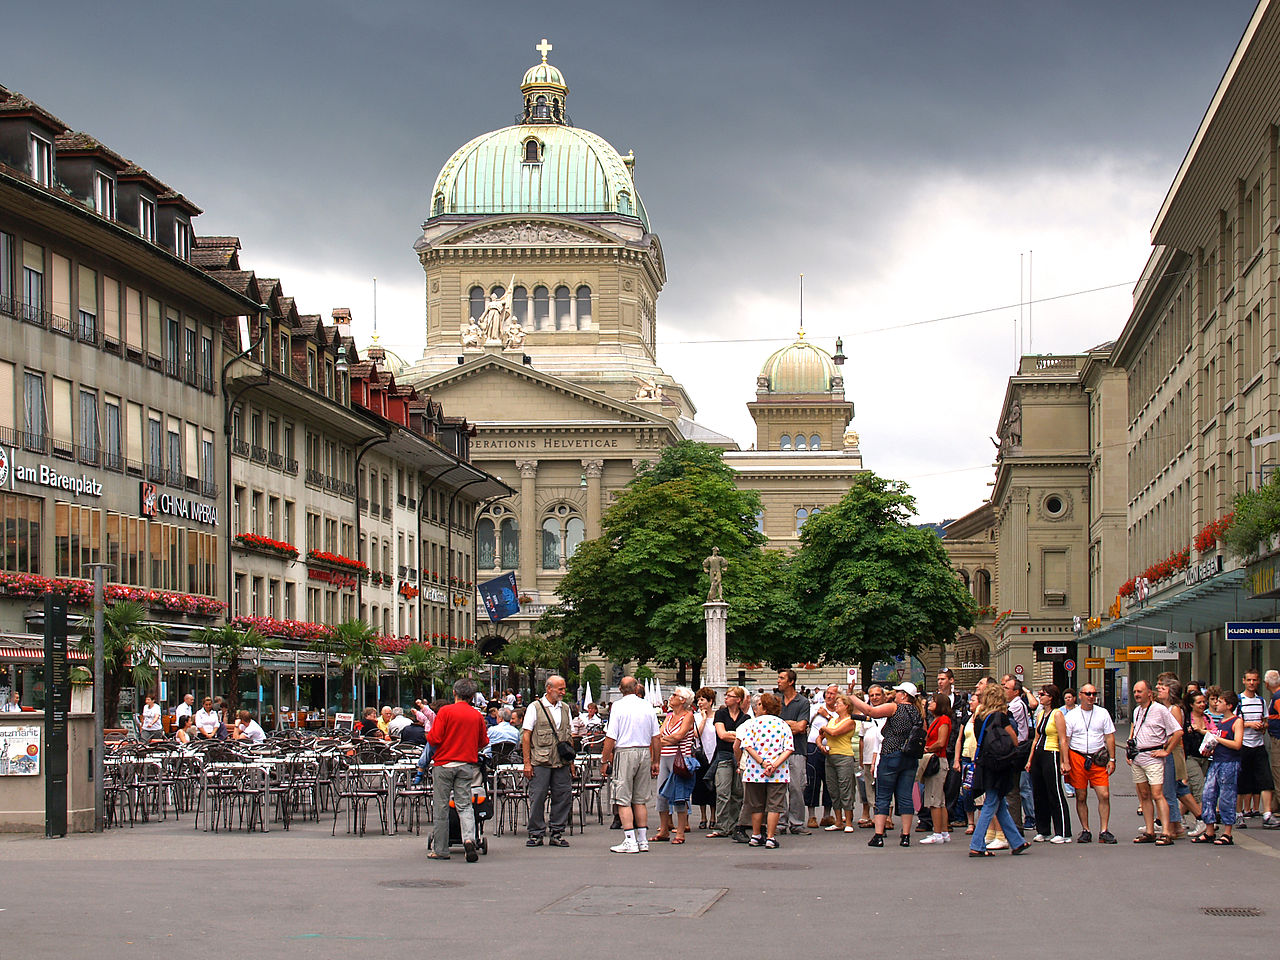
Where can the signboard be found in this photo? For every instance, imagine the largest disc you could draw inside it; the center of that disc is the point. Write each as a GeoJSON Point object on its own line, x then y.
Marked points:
{"type": "Point", "coordinates": [1018, 671]}
{"type": "Point", "coordinates": [1139, 653]}
{"type": "Point", "coordinates": [19, 751]}
{"type": "Point", "coordinates": [1121, 655]}
{"type": "Point", "coordinates": [501, 600]}
{"type": "Point", "coordinates": [434, 594]}
{"type": "Point", "coordinates": [1051, 650]}
{"type": "Point", "coordinates": [1068, 665]}
{"type": "Point", "coordinates": [47, 475]}
{"type": "Point", "coordinates": [1187, 645]}
{"type": "Point", "coordinates": [343, 581]}
{"type": "Point", "coordinates": [1160, 652]}
{"type": "Point", "coordinates": [344, 721]}
{"type": "Point", "coordinates": [152, 502]}
{"type": "Point", "coordinates": [1253, 631]}
{"type": "Point", "coordinates": [1095, 663]}
{"type": "Point", "coordinates": [57, 705]}
{"type": "Point", "coordinates": [1261, 578]}
{"type": "Point", "coordinates": [851, 676]}
{"type": "Point", "coordinates": [1203, 570]}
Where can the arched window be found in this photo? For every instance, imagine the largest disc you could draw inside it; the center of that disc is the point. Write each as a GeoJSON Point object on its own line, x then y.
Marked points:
{"type": "Point", "coordinates": [624, 204]}
{"type": "Point", "coordinates": [583, 295]}
{"type": "Point", "coordinates": [551, 544]}
{"type": "Point", "coordinates": [497, 290]}
{"type": "Point", "coordinates": [575, 531]}
{"type": "Point", "coordinates": [532, 153]}
{"type": "Point", "coordinates": [982, 588]}
{"type": "Point", "coordinates": [801, 442]}
{"type": "Point", "coordinates": [564, 309]}
{"type": "Point", "coordinates": [784, 442]}
{"type": "Point", "coordinates": [555, 103]}
{"type": "Point", "coordinates": [509, 543]}
{"type": "Point", "coordinates": [815, 442]}
{"type": "Point", "coordinates": [541, 308]}
{"type": "Point", "coordinates": [541, 109]}
{"type": "Point", "coordinates": [486, 544]}
{"type": "Point", "coordinates": [520, 305]}
{"type": "Point", "coordinates": [964, 577]}
{"type": "Point", "coordinates": [476, 296]}
{"type": "Point", "coordinates": [437, 205]}
{"type": "Point", "coordinates": [801, 516]}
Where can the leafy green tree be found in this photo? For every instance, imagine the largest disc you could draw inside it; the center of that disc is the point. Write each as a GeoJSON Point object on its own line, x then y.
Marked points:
{"type": "Point", "coordinates": [1256, 519]}
{"type": "Point", "coordinates": [591, 674]}
{"type": "Point", "coordinates": [539, 652]}
{"type": "Point", "coordinates": [418, 663]}
{"type": "Point", "coordinates": [130, 650]}
{"type": "Point", "coordinates": [463, 662]}
{"type": "Point", "coordinates": [355, 644]}
{"type": "Point", "coordinates": [232, 645]}
{"type": "Point", "coordinates": [869, 585]}
{"type": "Point", "coordinates": [636, 592]}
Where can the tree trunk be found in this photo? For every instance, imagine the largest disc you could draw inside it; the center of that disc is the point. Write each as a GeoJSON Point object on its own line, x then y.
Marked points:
{"type": "Point", "coordinates": [697, 675]}
{"type": "Point", "coordinates": [866, 666]}
{"type": "Point", "coordinates": [682, 670]}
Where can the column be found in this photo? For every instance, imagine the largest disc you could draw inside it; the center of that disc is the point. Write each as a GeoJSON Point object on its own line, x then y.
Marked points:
{"type": "Point", "coordinates": [527, 580]}
{"type": "Point", "coordinates": [594, 470]}
{"type": "Point", "coordinates": [716, 614]}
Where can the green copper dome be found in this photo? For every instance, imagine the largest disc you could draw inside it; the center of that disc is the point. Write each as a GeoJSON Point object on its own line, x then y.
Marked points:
{"type": "Point", "coordinates": [567, 171]}
{"type": "Point", "coordinates": [799, 368]}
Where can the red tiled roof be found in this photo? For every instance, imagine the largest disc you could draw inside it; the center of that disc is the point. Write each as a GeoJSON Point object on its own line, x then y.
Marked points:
{"type": "Point", "coordinates": [81, 144]}
{"type": "Point", "coordinates": [15, 104]}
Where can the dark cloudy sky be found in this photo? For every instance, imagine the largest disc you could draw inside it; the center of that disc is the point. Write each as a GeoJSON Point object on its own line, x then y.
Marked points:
{"type": "Point", "coordinates": [904, 157]}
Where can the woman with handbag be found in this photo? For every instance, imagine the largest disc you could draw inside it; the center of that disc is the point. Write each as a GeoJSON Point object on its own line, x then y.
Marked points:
{"type": "Point", "coordinates": [990, 720]}
{"type": "Point", "coordinates": [704, 791]}
{"type": "Point", "coordinates": [1049, 732]}
{"type": "Point", "coordinates": [933, 768]}
{"type": "Point", "coordinates": [678, 739]}
{"type": "Point", "coordinates": [896, 771]}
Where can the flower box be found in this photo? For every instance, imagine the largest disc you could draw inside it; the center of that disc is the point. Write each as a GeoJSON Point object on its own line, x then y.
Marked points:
{"type": "Point", "coordinates": [256, 544]}
{"type": "Point", "coordinates": [337, 560]}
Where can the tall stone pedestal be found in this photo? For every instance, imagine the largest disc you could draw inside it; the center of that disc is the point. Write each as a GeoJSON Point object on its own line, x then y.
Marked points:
{"type": "Point", "coordinates": [716, 613]}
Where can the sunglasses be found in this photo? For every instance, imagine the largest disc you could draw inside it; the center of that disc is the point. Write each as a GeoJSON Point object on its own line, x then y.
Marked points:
{"type": "Point", "coordinates": [1088, 693]}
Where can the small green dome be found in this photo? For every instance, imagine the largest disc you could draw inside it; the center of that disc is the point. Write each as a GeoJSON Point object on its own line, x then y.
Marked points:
{"type": "Point", "coordinates": [544, 75]}
{"type": "Point", "coordinates": [799, 367]}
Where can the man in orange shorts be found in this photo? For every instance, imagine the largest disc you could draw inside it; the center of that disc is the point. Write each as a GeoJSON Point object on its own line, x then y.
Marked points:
{"type": "Point", "coordinates": [1091, 735]}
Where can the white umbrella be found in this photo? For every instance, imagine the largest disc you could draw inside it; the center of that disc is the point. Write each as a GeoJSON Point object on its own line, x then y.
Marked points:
{"type": "Point", "coordinates": [657, 692]}
{"type": "Point", "coordinates": [586, 694]}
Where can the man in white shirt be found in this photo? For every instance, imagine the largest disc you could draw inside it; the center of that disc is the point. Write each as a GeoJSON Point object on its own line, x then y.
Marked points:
{"type": "Point", "coordinates": [13, 704]}
{"type": "Point", "coordinates": [247, 728]}
{"type": "Point", "coordinates": [630, 739]}
{"type": "Point", "coordinates": [820, 711]}
{"type": "Point", "coordinates": [185, 708]}
{"type": "Point", "coordinates": [1091, 736]}
{"type": "Point", "coordinates": [1155, 733]}
{"type": "Point", "coordinates": [1255, 765]}
{"type": "Point", "coordinates": [398, 722]}
{"type": "Point", "coordinates": [152, 728]}
{"type": "Point", "coordinates": [207, 721]}
{"type": "Point", "coordinates": [546, 726]}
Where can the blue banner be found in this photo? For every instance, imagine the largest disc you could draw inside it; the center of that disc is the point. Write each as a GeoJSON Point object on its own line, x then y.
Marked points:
{"type": "Point", "coordinates": [500, 596]}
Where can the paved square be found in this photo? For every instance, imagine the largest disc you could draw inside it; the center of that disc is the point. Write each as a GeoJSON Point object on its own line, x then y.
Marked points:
{"type": "Point", "coordinates": [649, 901]}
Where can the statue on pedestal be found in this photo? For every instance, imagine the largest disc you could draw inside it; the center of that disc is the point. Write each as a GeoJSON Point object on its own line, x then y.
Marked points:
{"type": "Point", "coordinates": [714, 566]}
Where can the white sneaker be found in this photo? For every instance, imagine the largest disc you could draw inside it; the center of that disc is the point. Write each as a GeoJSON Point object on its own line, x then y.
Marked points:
{"type": "Point", "coordinates": [946, 837]}
{"type": "Point", "coordinates": [1039, 838]}
{"type": "Point", "coordinates": [1059, 839]}
{"type": "Point", "coordinates": [933, 838]}
{"type": "Point", "coordinates": [1198, 829]}
{"type": "Point", "coordinates": [643, 847]}
{"type": "Point", "coordinates": [626, 846]}
{"type": "Point", "coordinates": [998, 844]}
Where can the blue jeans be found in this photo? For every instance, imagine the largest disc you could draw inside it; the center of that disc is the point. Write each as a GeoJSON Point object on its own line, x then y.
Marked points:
{"type": "Point", "coordinates": [995, 806]}
{"type": "Point", "coordinates": [1219, 804]}
{"type": "Point", "coordinates": [424, 761]}
{"type": "Point", "coordinates": [894, 777]}
{"type": "Point", "coordinates": [1171, 791]}
{"type": "Point", "coordinates": [1028, 797]}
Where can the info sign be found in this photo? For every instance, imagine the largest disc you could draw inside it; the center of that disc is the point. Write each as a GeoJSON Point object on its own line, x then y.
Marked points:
{"type": "Point", "coordinates": [19, 751]}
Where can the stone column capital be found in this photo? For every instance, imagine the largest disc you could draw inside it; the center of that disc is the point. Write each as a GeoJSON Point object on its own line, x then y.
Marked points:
{"type": "Point", "coordinates": [594, 468]}
{"type": "Point", "coordinates": [528, 469]}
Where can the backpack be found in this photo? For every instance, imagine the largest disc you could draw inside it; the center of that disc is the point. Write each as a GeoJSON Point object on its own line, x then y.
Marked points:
{"type": "Point", "coordinates": [997, 753]}
{"type": "Point", "coordinates": [914, 746]}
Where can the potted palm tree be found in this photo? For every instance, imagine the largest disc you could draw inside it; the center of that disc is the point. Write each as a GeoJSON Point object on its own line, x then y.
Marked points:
{"type": "Point", "coordinates": [231, 644]}
{"type": "Point", "coordinates": [355, 644]}
{"type": "Point", "coordinates": [130, 650]}
{"type": "Point", "coordinates": [418, 663]}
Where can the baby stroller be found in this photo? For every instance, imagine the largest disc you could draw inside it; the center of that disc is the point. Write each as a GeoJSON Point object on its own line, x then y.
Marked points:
{"type": "Point", "coordinates": [481, 809]}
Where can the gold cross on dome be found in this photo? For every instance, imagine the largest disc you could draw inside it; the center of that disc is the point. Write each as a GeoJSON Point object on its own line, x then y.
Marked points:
{"type": "Point", "coordinates": [544, 48]}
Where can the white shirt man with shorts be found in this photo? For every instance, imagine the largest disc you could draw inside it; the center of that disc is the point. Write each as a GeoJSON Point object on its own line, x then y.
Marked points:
{"type": "Point", "coordinates": [630, 759]}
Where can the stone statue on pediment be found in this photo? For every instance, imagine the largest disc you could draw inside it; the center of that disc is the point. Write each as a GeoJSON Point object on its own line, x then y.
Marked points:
{"type": "Point", "coordinates": [647, 389]}
{"type": "Point", "coordinates": [513, 334]}
{"type": "Point", "coordinates": [714, 566]}
{"type": "Point", "coordinates": [472, 334]}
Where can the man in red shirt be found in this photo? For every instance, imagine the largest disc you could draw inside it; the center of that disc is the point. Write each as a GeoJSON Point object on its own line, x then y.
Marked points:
{"type": "Point", "coordinates": [457, 736]}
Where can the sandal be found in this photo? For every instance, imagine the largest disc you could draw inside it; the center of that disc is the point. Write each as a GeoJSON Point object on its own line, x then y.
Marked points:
{"type": "Point", "coordinates": [660, 838]}
{"type": "Point", "coordinates": [437, 856]}
{"type": "Point", "coordinates": [677, 839]}
{"type": "Point", "coordinates": [1223, 841]}
{"type": "Point", "coordinates": [1145, 838]}
{"type": "Point", "coordinates": [866, 824]}
{"type": "Point", "coordinates": [969, 832]}
{"type": "Point", "coordinates": [981, 853]}
{"type": "Point", "coordinates": [1204, 838]}
{"type": "Point", "coordinates": [1164, 840]}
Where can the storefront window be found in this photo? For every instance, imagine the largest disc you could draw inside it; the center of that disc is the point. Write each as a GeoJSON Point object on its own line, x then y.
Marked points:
{"type": "Point", "coordinates": [21, 518]}
{"type": "Point", "coordinates": [77, 539]}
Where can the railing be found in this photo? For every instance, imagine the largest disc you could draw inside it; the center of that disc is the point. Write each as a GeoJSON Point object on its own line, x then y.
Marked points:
{"type": "Point", "coordinates": [375, 509]}
{"type": "Point", "coordinates": [112, 461]}
{"type": "Point", "coordinates": [363, 503]}
{"type": "Point", "coordinates": [347, 490]}
{"type": "Point", "coordinates": [240, 448]}
{"type": "Point", "coordinates": [403, 572]}
{"type": "Point", "coordinates": [258, 454]}
{"type": "Point", "coordinates": [386, 513]}
{"type": "Point", "coordinates": [208, 489]}
{"type": "Point", "coordinates": [400, 499]}
{"type": "Point", "coordinates": [291, 466]}
{"type": "Point", "coordinates": [31, 442]}
{"type": "Point", "coordinates": [155, 473]}
{"type": "Point", "coordinates": [331, 484]}
{"type": "Point", "coordinates": [10, 306]}
{"type": "Point", "coordinates": [87, 454]}
{"type": "Point", "coordinates": [314, 477]}
{"type": "Point", "coordinates": [275, 460]}
{"type": "Point", "coordinates": [87, 330]}
{"type": "Point", "coordinates": [175, 478]}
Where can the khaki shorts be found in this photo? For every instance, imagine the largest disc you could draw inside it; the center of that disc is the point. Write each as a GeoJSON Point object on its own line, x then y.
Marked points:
{"type": "Point", "coordinates": [764, 798]}
{"type": "Point", "coordinates": [931, 788]}
{"type": "Point", "coordinates": [1146, 772]}
{"type": "Point", "coordinates": [631, 783]}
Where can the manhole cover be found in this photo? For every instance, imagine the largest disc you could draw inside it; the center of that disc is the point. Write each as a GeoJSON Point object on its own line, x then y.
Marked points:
{"type": "Point", "coordinates": [1232, 911]}
{"type": "Point", "coordinates": [599, 901]}
{"type": "Point", "coordinates": [417, 884]}
{"type": "Point", "coordinates": [771, 865]}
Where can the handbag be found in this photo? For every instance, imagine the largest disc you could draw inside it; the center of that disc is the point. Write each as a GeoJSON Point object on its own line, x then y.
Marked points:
{"type": "Point", "coordinates": [932, 767]}
{"type": "Point", "coordinates": [564, 748]}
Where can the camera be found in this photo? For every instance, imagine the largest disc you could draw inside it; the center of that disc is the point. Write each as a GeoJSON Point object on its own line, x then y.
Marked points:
{"type": "Point", "coordinates": [1131, 749]}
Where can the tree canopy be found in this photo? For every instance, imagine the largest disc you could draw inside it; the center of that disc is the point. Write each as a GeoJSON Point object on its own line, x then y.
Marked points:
{"type": "Point", "coordinates": [868, 585]}
{"type": "Point", "coordinates": [636, 592]}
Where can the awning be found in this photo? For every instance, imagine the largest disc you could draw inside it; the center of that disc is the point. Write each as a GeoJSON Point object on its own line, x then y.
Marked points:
{"type": "Point", "coordinates": [1205, 606]}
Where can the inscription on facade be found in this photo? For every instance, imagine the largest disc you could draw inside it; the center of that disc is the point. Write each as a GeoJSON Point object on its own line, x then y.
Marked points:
{"type": "Point", "coordinates": [546, 443]}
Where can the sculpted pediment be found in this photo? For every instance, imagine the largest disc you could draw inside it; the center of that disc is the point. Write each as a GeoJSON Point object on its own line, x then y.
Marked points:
{"type": "Point", "coordinates": [526, 233]}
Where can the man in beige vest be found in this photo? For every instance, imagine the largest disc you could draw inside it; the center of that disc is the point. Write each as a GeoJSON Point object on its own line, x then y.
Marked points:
{"type": "Point", "coordinates": [546, 725]}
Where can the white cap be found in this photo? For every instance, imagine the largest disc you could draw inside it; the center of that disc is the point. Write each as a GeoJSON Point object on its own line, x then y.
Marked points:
{"type": "Point", "coordinates": [908, 687]}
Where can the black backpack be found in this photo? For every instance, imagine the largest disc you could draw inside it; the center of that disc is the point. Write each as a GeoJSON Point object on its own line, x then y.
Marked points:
{"type": "Point", "coordinates": [997, 752]}
{"type": "Point", "coordinates": [914, 746]}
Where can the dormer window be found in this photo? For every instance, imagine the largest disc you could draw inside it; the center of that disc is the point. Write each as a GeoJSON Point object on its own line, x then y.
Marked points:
{"type": "Point", "coordinates": [182, 239]}
{"type": "Point", "coordinates": [147, 219]}
{"type": "Point", "coordinates": [41, 161]}
{"type": "Point", "coordinates": [532, 151]}
{"type": "Point", "coordinates": [104, 195]}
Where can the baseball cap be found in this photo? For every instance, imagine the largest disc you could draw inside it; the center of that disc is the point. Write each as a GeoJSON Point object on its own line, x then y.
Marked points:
{"type": "Point", "coordinates": [908, 687]}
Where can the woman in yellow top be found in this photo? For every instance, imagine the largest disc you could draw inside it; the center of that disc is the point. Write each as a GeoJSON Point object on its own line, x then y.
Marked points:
{"type": "Point", "coordinates": [839, 738]}
{"type": "Point", "coordinates": [1044, 765]}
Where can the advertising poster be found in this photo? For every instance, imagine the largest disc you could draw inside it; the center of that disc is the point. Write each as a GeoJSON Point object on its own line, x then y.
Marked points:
{"type": "Point", "coordinates": [19, 751]}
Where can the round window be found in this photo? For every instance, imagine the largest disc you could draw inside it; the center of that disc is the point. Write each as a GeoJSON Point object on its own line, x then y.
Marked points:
{"type": "Point", "coordinates": [1053, 505]}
